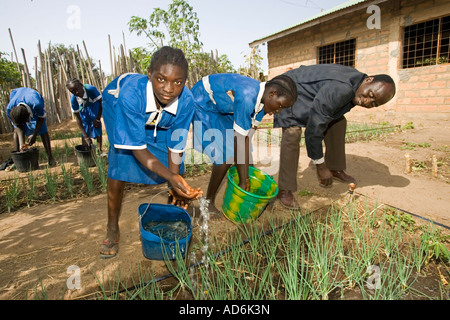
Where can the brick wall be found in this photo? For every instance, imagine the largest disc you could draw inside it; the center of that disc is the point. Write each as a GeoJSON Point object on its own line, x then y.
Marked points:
{"type": "Point", "coordinates": [419, 90]}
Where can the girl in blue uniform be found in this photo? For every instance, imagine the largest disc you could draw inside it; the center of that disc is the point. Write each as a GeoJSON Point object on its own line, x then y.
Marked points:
{"type": "Point", "coordinates": [147, 118]}
{"type": "Point", "coordinates": [86, 104]}
{"type": "Point", "coordinates": [228, 109]}
{"type": "Point", "coordinates": [27, 114]}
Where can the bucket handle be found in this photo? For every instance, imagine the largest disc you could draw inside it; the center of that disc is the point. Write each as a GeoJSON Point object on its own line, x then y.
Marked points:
{"type": "Point", "coordinates": [151, 200]}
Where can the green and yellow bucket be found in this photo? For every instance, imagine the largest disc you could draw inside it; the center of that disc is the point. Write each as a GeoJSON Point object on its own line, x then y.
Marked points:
{"type": "Point", "coordinates": [244, 206]}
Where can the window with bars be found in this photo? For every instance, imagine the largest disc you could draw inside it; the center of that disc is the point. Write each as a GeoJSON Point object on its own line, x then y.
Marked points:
{"type": "Point", "coordinates": [426, 43]}
{"type": "Point", "coordinates": [341, 53]}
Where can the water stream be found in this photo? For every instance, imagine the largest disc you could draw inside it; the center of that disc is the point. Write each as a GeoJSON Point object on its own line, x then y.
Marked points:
{"type": "Point", "coordinates": [203, 240]}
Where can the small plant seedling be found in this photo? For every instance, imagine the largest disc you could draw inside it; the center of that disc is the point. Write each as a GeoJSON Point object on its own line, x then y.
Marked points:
{"type": "Point", "coordinates": [305, 193]}
{"type": "Point", "coordinates": [407, 126]}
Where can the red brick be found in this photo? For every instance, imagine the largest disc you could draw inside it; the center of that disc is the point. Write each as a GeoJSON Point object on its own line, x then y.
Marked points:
{"type": "Point", "coordinates": [438, 84]}
{"type": "Point", "coordinates": [443, 108]}
{"type": "Point", "coordinates": [412, 94]}
{"type": "Point", "coordinates": [419, 101]}
{"type": "Point", "coordinates": [436, 100]}
{"type": "Point", "coordinates": [428, 77]}
{"type": "Point", "coordinates": [427, 93]}
{"type": "Point", "coordinates": [426, 107]}
{"type": "Point", "coordinates": [443, 92]}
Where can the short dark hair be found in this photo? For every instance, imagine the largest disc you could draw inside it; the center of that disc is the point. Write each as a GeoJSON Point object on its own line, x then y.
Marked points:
{"type": "Point", "coordinates": [169, 55]}
{"type": "Point", "coordinates": [385, 78]}
{"type": "Point", "coordinates": [72, 81]}
{"type": "Point", "coordinates": [20, 114]}
{"type": "Point", "coordinates": [284, 85]}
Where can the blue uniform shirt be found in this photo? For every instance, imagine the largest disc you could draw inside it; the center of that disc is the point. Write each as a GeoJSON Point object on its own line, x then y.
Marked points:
{"type": "Point", "coordinates": [217, 114]}
{"type": "Point", "coordinates": [88, 108]}
{"type": "Point", "coordinates": [34, 101]}
{"type": "Point", "coordinates": [133, 122]}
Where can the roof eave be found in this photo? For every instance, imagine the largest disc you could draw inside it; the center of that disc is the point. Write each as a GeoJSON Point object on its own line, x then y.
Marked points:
{"type": "Point", "coordinates": [314, 22]}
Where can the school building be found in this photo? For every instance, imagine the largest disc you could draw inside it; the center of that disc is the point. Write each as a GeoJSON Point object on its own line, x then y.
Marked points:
{"type": "Point", "coordinates": [407, 39]}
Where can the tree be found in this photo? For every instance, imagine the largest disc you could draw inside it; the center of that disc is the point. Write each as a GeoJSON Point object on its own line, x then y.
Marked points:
{"type": "Point", "coordinates": [252, 67]}
{"type": "Point", "coordinates": [10, 78]}
{"type": "Point", "coordinates": [177, 27]}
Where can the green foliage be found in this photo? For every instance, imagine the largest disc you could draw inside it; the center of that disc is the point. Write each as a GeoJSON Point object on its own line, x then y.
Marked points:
{"type": "Point", "coordinates": [253, 63]}
{"type": "Point", "coordinates": [141, 58]}
{"type": "Point", "coordinates": [409, 125]}
{"type": "Point", "coordinates": [178, 27]}
{"type": "Point", "coordinates": [413, 146]}
{"type": "Point", "coordinates": [10, 77]}
{"type": "Point", "coordinates": [305, 193]}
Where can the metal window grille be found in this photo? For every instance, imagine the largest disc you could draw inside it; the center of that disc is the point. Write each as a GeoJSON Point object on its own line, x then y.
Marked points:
{"type": "Point", "coordinates": [426, 43]}
{"type": "Point", "coordinates": [341, 53]}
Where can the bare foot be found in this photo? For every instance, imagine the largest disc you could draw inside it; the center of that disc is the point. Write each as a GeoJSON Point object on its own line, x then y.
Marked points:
{"type": "Point", "coordinates": [214, 213]}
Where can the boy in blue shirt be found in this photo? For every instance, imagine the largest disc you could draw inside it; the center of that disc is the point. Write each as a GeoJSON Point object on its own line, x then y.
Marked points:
{"type": "Point", "coordinates": [27, 114]}
{"type": "Point", "coordinates": [86, 104]}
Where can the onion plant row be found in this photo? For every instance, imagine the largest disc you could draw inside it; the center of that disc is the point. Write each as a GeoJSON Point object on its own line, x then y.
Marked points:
{"type": "Point", "coordinates": [353, 249]}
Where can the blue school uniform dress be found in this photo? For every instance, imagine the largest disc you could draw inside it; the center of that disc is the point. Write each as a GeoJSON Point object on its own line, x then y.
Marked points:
{"type": "Point", "coordinates": [133, 122]}
{"type": "Point", "coordinates": [34, 101]}
{"type": "Point", "coordinates": [217, 115]}
{"type": "Point", "coordinates": [88, 108]}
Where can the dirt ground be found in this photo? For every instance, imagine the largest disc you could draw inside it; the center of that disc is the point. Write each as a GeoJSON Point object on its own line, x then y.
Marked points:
{"type": "Point", "coordinates": [39, 244]}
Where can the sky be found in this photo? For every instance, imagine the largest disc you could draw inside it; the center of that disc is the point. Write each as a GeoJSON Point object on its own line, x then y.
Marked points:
{"type": "Point", "coordinates": [227, 26]}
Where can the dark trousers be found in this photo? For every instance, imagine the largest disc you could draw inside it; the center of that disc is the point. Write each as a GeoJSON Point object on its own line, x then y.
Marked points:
{"type": "Point", "coordinates": [290, 152]}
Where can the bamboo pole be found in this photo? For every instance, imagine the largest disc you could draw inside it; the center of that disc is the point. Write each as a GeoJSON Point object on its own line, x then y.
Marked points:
{"type": "Point", "coordinates": [14, 48]}
{"type": "Point", "coordinates": [111, 57]}
{"type": "Point", "coordinates": [132, 67]}
{"type": "Point", "coordinates": [81, 65]}
{"type": "Point", "coordinates": [102, 78]}
{"type": "Point", "coordinates": [115, 63]}
{"type": "Point", "coordinates": [93, 80]}
{"type": "Point", "coordinates": [42, 76]}
{"type": "Point", "coordinates": [74, 60]}
{"type": "Point", "coordinates": [123, 58]}
{"type": "Point", "coordinates": [36, 76]}
{"type": "Point", "coordinates": [50, 77]}
{"type": "Point", "coordinates": [26, 71]}
{"type": "Point", "coordinates": [62, 87]}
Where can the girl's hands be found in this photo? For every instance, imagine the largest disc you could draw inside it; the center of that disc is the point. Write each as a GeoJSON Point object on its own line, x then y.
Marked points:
{"type": "Point", "coordinates": [182, 193]}
{"type": "Point", "coordinates": [87, 140]}
{"type": "Point", "coordinates": [31, 139]}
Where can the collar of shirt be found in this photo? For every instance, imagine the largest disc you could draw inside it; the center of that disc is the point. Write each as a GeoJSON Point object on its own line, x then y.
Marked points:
{"type": "Point", "coordinates": [82, 101]}
{"type": "Point", "coordinates": [259, 106]}
{"type": "Point", "coordinates": [155, 113]}
{"type": "Point", "coordinates": [151, 103]}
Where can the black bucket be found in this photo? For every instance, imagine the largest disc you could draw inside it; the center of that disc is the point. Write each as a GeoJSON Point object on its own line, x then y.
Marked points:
{"type": "Point", "coordinates": [26, 160]}
{"type": "Point", "coordinates": [85, 155]}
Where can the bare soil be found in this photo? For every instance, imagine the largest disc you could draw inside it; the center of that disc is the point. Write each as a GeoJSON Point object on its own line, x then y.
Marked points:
{"type": "Point", "coordinates": [39, 244]}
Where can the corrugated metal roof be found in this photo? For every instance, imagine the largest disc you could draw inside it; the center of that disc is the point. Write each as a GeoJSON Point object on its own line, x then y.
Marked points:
{"type": "Point", "coordinates": [344, 5]}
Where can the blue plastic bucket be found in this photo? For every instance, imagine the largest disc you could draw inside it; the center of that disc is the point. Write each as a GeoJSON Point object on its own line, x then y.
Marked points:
{"type": "Point", "coordinates": [154, 245]}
